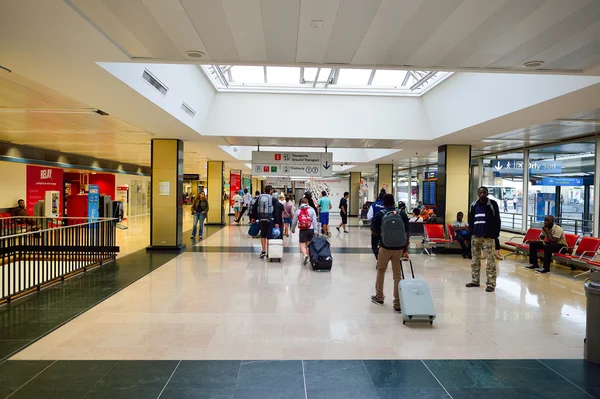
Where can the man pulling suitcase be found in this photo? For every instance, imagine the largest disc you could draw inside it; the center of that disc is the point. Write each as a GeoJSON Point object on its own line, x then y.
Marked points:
{"type": "Point", "coordinates": [391, 227]}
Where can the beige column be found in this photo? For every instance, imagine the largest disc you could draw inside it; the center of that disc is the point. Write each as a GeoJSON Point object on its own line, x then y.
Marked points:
{"type": "Point", "coordinates": [354, 207]}
{"type": "Point", "coordinates": [385, 176]}
{"type": "Point", "coordinates": [214, 186]}
{"type": "Point", "coordinates": [454, 173]}
{"type": "Point", "coordinates": [166, 201]}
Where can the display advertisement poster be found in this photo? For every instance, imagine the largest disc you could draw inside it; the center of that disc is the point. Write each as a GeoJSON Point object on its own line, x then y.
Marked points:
{"type": "Point", "coordinates": [93, 202]}
{"type": "Point", "coordinates": [246, 182]}
{"type": "Point", "coordinates": [39, 180]}
{"type": "Point", "coordinates": [164, 187]}
{"type": "Point", "coordinates": [235, 184]}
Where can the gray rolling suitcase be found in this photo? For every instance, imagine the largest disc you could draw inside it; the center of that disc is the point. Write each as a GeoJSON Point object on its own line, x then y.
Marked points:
{"type": "Point", "coordinates": [415, 299]}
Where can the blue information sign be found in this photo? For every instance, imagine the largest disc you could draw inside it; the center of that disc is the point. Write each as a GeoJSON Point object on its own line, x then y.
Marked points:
{"type": "Point", "coordinates": [562, 181]}
{"type": "Point", "coordinates": [431, 175]}
{"type": "Point", "coordinates": [93, 201]}
{"type": "Point", "coordinates": [515, 167]}
{"type": "Point", "coordinates": [429, 192]}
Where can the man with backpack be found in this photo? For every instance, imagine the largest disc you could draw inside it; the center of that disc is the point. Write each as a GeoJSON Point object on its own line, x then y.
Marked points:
{"type": "Point", "coordinates": [305, 218]}
{"type": "Point", "coordinates": [373, 210]}
{"type": "Point", "coordinates": [265, 211]}
{"type": "Point", "coordinates": [390, 226]}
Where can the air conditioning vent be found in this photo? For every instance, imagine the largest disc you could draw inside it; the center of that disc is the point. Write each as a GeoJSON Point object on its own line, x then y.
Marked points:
{"type": "Point", "coordinates": [187, 109]}
{"type": "Point", "coordinates": [148, 77]}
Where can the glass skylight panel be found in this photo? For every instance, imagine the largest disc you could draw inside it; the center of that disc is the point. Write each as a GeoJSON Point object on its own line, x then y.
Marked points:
{"type": "Point", "coordinates": [385, 78]}
{"type": "Point", "coordinates": [353, 81]}
{"type": "Point", "coordinates": [247, 74]}
{"type": "Point", "coordinates": [353, 77]}
{"type": "Point", "coordinates": [283, 75]}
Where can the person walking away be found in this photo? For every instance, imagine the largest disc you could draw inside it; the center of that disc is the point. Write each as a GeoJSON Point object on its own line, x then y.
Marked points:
{"type": "Point", "coordinates": [344, 212]}
{"type": "Point", "coordinates": [245, 204]}
{"type": "Point", "coordinates": [265, 211]}
{"type": "Point", "coordinates": [390, 226]}
{"type": "Point", "coordinates": [484, 227]}
{"type": "Point", "coordinates": [461, 228]}
{"type": "Point", "coordinates": [555, 240]}
{"type": "Point", "coordinates": [324, 208]}
{"type": "Point", "coordinates": [305, 218]}
{"type": "Point", "coordinates": [311, 201]}
{"type": "Point", "coordinates": [288, 214]}
{"type": "Point", "coordinates": [505, 204]}
{"type": "Point", "coordinates": [375, 207]}
{"type": "Point", "coordinates": [199, 210]}
{"type": "Point", "coordinates": [416, 216]}
{"type": "Point", "coordinates": [237, 205]}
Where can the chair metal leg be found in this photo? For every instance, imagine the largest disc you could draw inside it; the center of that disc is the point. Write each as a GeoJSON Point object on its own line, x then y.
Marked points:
{"type": "Point", "coordinates": [582, 274]}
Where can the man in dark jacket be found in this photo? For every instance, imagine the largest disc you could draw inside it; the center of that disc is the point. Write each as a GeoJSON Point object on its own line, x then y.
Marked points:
{"type": "Point", "coordinates": [484, 228]}
{"type": "Point", "coordinates": [267, 222]}
{"type": "Point", "coordinates": [387, 254]}
{"type": "Point", "coordinates": [373, 210]}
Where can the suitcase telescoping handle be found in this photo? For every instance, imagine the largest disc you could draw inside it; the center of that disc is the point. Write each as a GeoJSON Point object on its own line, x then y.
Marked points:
{"type": "Point", "coordinates": [412, 271]}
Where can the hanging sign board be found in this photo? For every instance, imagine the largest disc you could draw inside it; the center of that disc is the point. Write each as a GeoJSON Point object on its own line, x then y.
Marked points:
{"type": "Point", "coordinates": [310, 164]}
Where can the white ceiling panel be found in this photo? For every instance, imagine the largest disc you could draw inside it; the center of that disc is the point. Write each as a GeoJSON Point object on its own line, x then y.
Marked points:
{"type": "Point", "coordinates": [245, 22]}
{"type": "Point", "coordinates": [387, 24]}
{"type": "Point", "coordinates": [533, 25]}
{"type": "Point", "coordinates": [503, 20]}
{"type": "Point", "coordinates": [463, 21]}
{"type": "Point", "coordinates": [423, 24]}
{"type": "Point", "coordinates": [576, 42]}
{"type": "Point", "coordinates": [580, 59]}
{"type": "Point", "coordinates": [567, 27]}
{"type": "Point", "coordinates": [353, 19]}
{"type": "Point", "coordinates": [173, 19]}
{"type": "Point", "coordinates": [143, 25]}
{"type": "Point", "coordinates": [280, 23]}
{"type": "Point", "coordinates": [210, 21]}
{"type": "Point", "coordinates": [312, 42]}
{"type": "Point", "coordinates": [112, 27]}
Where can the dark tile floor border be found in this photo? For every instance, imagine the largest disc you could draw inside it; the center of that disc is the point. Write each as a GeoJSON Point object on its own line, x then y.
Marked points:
{"type": "Point", "coordinates": [331, 379]}
{"type": "Point", "coordinates": [28, 319]}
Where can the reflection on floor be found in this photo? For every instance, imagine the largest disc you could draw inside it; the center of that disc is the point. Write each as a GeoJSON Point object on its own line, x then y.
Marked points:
{"type": "Point", "coordinates": [368, 379]}
{"type": "Point", "coordinates": [224, 304]}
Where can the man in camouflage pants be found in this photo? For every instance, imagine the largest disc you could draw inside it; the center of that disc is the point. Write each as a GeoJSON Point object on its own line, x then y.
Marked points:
{"type": "Point", "coordinates": [484, 227]}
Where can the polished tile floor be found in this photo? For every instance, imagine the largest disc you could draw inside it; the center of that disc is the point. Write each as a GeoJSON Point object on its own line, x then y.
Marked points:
{"type": "Point", "coordinates": [328, 379]}
{"type": "Point", "coordinates": [219, 301]}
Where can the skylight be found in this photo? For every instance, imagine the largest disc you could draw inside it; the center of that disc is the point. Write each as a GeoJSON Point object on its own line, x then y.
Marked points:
{"type": "Point", "coordinates": [322, 80]}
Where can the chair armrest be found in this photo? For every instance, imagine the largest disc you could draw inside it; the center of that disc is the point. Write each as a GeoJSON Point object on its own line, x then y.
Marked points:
{"type": "Point", "coordinates": [588, 252]}
{"type": "Point", "coordinates": [560, 251]}
{"type": "Point", "coordinates": [515, 237]}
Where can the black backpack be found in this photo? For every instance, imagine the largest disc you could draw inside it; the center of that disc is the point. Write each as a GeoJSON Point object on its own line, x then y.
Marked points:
{"type": "Point", "coordinates": [393, 232]}
{"type": "Point", "coordinates": [320, 254]}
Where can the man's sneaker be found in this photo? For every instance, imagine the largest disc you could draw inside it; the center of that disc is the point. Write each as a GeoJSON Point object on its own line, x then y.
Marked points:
{"type": "Point", "coordinates": [262, 255]}
{"type": "Point", "coordinates": [199, 237]}
{"type": "Point", "coordinates": [329, 234]}
{"type": "Point", "coordinates": [338, 229]}
{"type": "Point", "coordinates": [531, 267]}
{"type": "Point", "coordinates": [542, 271]}
{"type": "Point", "coordinates": [489, 288]}
{"type": "Point", "coordinates": [376, 301]}
{"type": "Point", "coordinates": [397, 309]}
{"type": "Point", "coordinates": [305, 259]}
{"type": "Point", "coordinates": [346, 232]}
{"type": "Point", "coordinates": [470, 256]}
{"type": "Point", "coordinates": [471, 284]}
{"type": "Point", "coordinates": [193, 237]}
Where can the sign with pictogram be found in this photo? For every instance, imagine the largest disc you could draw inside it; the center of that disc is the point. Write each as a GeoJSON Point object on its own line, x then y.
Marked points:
{"type": "Point", "coordinates": [309, 164]}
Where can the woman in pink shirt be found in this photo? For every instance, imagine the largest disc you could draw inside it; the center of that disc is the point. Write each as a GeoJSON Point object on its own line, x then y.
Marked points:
{"type": "Point", "coordinates": [288, 213]}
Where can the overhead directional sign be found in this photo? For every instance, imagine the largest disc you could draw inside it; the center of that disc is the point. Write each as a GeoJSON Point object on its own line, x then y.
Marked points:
{"type": "Point", "coordinates": [515, 167]}
{"type": "Point", "coordinates": [562, 181]}
{"type": "Point", "coordinates": [310, 164]}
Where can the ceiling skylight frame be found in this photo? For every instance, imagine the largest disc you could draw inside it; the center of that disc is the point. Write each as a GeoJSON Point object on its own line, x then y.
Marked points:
{"type": "Point", "coordinates": [324, 80]}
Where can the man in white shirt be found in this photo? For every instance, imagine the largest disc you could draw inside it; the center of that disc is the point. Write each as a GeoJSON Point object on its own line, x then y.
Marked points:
{"type": "Point", "coordinates": [245, 204]}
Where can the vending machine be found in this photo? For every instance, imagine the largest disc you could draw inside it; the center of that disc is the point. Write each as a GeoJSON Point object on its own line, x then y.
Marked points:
{"type": "Point", "coordinates": [93, 202]}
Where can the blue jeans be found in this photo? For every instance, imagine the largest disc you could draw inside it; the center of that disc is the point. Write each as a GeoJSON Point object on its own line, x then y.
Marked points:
{"type": "Point", "coordinates": [198, 217]}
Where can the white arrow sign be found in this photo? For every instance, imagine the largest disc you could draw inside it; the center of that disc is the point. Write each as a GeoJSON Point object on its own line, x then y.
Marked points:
{"type": "Point", "coordinates": [498, 166]}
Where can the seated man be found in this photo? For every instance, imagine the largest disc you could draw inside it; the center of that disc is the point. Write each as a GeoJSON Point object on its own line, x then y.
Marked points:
{"type": "Point", "coordinates": [461, 228]}
{"type": "Point", "coordinates": [21, 211]}
{"type": "Point", "coordinates": [554, 240]}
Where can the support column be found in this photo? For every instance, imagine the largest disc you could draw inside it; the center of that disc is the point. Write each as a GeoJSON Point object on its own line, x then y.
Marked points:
{"type": "Point", "coordinates": [525, 199]}
{"type": "Point", "coordinates": [194, 188]}
{"type": "Point", "coordinates": [385, 176]}
{"type": "Point", "coordinates": [454, 173]}
{"type": "Point", "coordinates": [596, 210]}
{"type": "Point", "coordinates": [215, 179]}
{"type": "Point", "coordinates": [166, 201]}
{"type": "Point", "coordinates": [354, 207]}
{"type": "Point", "coordinates": [420, 181]}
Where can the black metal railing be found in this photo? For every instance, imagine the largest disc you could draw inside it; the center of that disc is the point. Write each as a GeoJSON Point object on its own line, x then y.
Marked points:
{"type": "Point", "coordinates": [35, 257]}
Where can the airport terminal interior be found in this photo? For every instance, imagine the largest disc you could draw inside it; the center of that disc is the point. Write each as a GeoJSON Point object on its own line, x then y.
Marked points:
{"type": "Point", "coordinates": [148, 146]}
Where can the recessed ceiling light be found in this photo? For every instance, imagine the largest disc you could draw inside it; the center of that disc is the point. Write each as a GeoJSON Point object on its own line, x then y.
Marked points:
{"type": "Point", "coordinates": [533, 64]}
{"type": "Point", "coordinates": [194, 54]}
{"type": "Point", "coordinates": [316, 24]}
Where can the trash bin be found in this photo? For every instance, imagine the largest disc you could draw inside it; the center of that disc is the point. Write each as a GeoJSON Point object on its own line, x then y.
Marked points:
{"type": "Point", "coordinates": [591, 348]}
